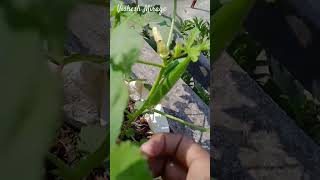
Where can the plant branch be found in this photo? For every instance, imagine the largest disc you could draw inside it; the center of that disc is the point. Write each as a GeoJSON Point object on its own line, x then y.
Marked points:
{"type": "Point", "coordinates": [180, 56]}
{"type": "Point", "coordinates": [133, 116]}
{"type": "Point", "coordinates": [192, 126]}
{"type": "Point", "coordinates": [150, 63]}
{"type": "Point", "coordinates": [172, 23]}
{"type": "Point", "coordinates": [94, 160]}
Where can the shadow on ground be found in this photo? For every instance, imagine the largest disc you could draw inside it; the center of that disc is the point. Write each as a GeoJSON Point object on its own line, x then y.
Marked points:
{"type": "Point", "coordinates": [253, 138]}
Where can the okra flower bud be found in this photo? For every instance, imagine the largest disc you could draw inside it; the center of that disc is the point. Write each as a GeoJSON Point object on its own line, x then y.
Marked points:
{"type": "Point", "coordinates": [162, 50]}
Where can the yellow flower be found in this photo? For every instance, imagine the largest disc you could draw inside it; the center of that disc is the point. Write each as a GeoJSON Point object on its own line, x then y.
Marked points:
{"type": "Point", "coordinates": [162, 50]}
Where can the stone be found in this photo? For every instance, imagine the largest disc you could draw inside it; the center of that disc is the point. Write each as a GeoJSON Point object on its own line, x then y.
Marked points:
{"type": "Point", "coordinates": [157, 122]}
{"type": "Point", "coordinates": [86, 85]}
{"type": "Point", "coordinates": [83, 84]}
{"type": "Point", "coordinates": [89, 23]}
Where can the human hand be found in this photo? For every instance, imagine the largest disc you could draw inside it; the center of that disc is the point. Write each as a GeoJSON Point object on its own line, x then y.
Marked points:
{"type": "Point", "coordinates": [175, 157]}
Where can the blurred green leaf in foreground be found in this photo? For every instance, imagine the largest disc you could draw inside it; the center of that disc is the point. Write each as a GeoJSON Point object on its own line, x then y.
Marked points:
{"type": "Point", "coordinates": [29, 104]}
{"type": "Point", "coordinates": [29, 93]}
{"type": "Point", "coordinates": [227, 22]}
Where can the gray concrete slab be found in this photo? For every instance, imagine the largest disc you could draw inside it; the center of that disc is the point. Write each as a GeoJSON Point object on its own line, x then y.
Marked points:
{"type": "Point", "coordinates": [253, 138]}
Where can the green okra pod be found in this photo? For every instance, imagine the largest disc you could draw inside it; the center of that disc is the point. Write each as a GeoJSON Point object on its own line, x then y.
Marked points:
{"type": "Point", "coordinates": [165, 85]}
{"type": "Point", "coordinates": [169, 81]}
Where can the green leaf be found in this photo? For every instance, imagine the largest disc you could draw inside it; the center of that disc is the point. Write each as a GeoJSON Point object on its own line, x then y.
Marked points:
{"type": "Point", "coordinates": [127, 163]}
{"type": "Point", "coordinates": [142, 141]}
{"type": "Point", "coordinates": [151, 19]}
{"type": "Point", "coordinates": [205, 46]}
{"type": "Point", "coordinates": [216, 5]}
{"type": "Point", "coordinates": [129, 132]}
{"type": "Point", "coordinates": [118, 101]}
{"type": "Point", "coordinates": [91, 137]}
{"type": "Point", "coordinates": [93, 160]}
{"type": "Point", "coordinates": [194, 34]}
{"type": "Point", "coordinates": [85, 165]}
{"type": "Point", "coordinates": [194, 54]}
{"type": "Point", "coordinates": [29, 104]}
{"type": "Point", "coordinates": [138, 104]}
{"type": "Point", "coordinates": [63, 170]}
{"type": "Point", "coordinates": [178, 49]}
{"type": "Point", "coordinates": [227, 22]}
{"type": "Point", "coordinates": [125, 47]}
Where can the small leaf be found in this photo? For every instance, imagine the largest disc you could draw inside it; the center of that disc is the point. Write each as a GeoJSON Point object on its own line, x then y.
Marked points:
{"type": "Point", "coordinates": [125, 47]}
{"type": "Point", "coordinates": [194, 54]}
{"type": "Point", "coordinates": [204, 46]}
{"type": "Point", "coordinates": [118, 101]}
{"type": "Point", "coordinates": [227, 22]}
{"type": "Point", "coordinates": [138, 104]}
{"type": "Point", "coordinates": [178, 49]}
{"type": "Point", "coordinates": [129, 132]}
{"type": "Point", "coordinates": [194, 34]}
{"type": "Point", "coordinates": [91, 137]}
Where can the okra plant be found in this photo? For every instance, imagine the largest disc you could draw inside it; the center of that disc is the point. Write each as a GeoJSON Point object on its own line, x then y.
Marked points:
{"type": "Point", "coordinates": [174, 64]}
{"type": "Point", "coordinates": [125, 160]}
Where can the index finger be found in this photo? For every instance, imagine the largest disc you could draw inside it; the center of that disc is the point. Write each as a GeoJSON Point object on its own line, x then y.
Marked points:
{"type": "Point", "coordinates": [181, 148]}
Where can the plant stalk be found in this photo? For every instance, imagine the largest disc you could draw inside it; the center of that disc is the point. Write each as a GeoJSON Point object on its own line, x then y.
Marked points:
{"type": "Point", "coordinates": [150, 63]}
{"type": "Point", "coordinates": [133, 116]}
{"type": "Point", "coordinates": [172, 23]}
{"type": "Point", "coordinates": [192, 126]}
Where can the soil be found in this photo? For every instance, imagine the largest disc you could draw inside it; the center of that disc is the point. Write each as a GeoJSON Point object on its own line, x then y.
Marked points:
{"type": "Point", "coordinates": [140, 127]}
{"type": "Point", "coordinates": [65, 144]}
{"type": "Point", "coordinates": [65, 148]}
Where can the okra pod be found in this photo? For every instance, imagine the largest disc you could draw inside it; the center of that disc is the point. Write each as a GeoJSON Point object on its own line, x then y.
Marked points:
{"type": "Point", "coordinates": [165, 85]}
{"type": "Point", "coordinates": [168, 82]}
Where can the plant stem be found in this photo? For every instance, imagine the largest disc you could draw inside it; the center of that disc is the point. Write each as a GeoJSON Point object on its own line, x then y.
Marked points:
{"type": "Point", "coordinates": [180, 56]}
{"type": "Point", "coordinates": [78, 58]}
{"type": "Point", "coordinates": [94, 160]}
{"type": "Point", "coordinates": [150, 63]}
{"type": "Point", "coordinates": [133, 116]}
{"type": "Point", "coordinates": [172, 23]}
{"type": "Point", "coordinates": [192, 126]}
{"type": "Point", "coordinates": [140, 80]}
{"type": "Point", "coordinates": [63, 169]}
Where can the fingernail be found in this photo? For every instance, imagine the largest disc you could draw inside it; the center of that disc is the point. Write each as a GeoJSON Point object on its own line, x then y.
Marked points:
{"type": "Point", "coordinates": [146, 148]}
